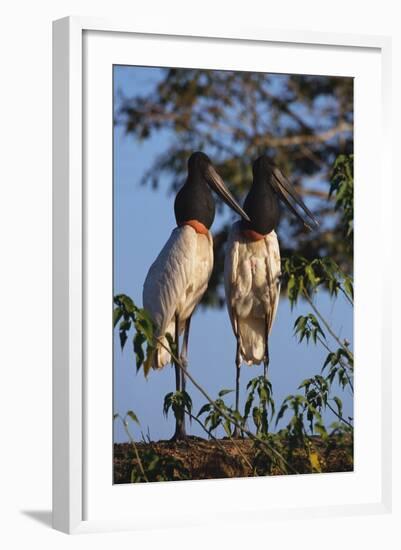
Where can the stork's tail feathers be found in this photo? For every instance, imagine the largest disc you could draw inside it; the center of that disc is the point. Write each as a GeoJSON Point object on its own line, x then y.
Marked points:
{"type": "Point", "coordinates": [252, 340]}
{"type": "Point", "coordinates": [162, 356]}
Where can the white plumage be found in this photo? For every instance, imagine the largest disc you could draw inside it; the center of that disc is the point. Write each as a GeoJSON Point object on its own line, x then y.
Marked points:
{"type": "Point", "coordinates": [252, 285]}
{"type": "Point", "coordinates": [176, 282]}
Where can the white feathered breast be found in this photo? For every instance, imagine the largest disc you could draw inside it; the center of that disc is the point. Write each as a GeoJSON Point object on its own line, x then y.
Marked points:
{"type": "Point", "coordinates": [252, 285]}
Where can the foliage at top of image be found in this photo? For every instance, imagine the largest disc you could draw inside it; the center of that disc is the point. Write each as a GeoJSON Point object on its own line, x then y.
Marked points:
{"type": "Point", "coordinates": [303, 277]}
{"type": "Point", "coordinates": [302, 122]}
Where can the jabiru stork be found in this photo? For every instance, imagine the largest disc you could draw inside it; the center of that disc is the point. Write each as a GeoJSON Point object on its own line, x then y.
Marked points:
{"type": "Point", "coordinates": [252, 264]}
{"type": "Point", "coordinates": [179, 277]}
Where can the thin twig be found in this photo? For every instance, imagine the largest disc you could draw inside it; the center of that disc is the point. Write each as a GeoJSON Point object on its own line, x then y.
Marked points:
{"type": "Point", "coordinates": [344, 366]}
{"type": "Point", "coordinates": [125, 424]}
{"type": "Point", "coordinates": [350, 301]}
{"type": "Point", "coordinates": [339, 416]}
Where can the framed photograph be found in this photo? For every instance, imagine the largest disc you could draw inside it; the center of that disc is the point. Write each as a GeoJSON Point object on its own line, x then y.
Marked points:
{"type": "Point", "coordinates": [220, 331]}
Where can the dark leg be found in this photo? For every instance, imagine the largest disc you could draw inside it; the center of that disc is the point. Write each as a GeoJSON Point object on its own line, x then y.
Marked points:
{"type": "Point", "coordinates": [265, 366]}
{"type": "Point", "coordinates": [266, 357]}
{"type": "Point", "coordinates": [180, 420]}
{"type": "Point", "coordinates": [184, 353]}
{"type": "Point", "coordinates": [177, 368]}
{"type": "Point", "coordinates": [237, 374]}
{"type": "Point", "coordinates": [177, 377]}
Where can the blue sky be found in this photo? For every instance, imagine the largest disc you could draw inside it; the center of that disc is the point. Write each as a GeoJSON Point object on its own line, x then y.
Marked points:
{"type": "Point", "coordinates": [143, 221]}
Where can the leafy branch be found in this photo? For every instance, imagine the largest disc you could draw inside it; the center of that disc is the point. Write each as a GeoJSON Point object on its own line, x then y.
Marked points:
{"type": "Point", "coordinates": [130, 316]}
{"type": "Point", "coordinates": [342, 188]}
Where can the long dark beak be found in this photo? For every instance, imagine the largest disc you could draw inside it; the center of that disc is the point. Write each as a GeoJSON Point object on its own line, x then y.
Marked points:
{"type": "Point", "coordinates": [288, 194]}
{"type": "Point", "coordinates": [217, 184]}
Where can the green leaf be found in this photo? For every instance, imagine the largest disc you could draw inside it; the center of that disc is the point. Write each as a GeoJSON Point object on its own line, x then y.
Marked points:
{"type": "Point", "coordinates": [133, 417]}
{"type": "Point", "coordinates": [339, 404]}
{"type": "Point", "coordinates": [125, 325]}
{"type": "Point", "coordinates": [263, 393]}
{"type": "Point", "coordinates": [227, 428]}
{"type": "Point", "coordinates": [123, 338]}
{"type": "Point", "coordinates": [349, 287]}
{"type": "Point", "coordinates": [281, 412]}
{"type": "Point", "coordinates": [256, 415]}
{"type": "Point", "coordinates": [311, 394]}
{"type": "Point", "coordinates": [139, 339]}
{"type": "Point", "coordinates": [329, 359]}
{"type": "Point", "coordinates": [224, 392]}
{"type": "Point", "coordinates": [147, 364]}
{"type": "Point", "coordinates": [248, 404]}
{"type": "Point", "coordinates": [117, 314]}
{"type": "Point", "coordinates": [205, 408]}
{"type": "Point", "coordinates": [298, 320]}
{"type": "Point", "coordinates": [187, 401]}
{"type": "Point", "coordinates": [125, 302]}
{"type": "Point", "coordinates": [167, 403]}
{"type": "Point", "coordinates": [311, 275]}
{"type": "Point", "coordinates": [291, 290]}
{"type": "Point", "coordinates": [144, 324]}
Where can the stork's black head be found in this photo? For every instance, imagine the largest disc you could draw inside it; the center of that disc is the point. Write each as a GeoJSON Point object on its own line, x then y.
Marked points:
{"type": "Point", "coordinates": [266, 174]}
{"type": "Point", "coordinates": [262, 168]}
{"type": "Point", "coordinates": [198, 162]}
{"type": "Point", "coordinates": [194, 200]}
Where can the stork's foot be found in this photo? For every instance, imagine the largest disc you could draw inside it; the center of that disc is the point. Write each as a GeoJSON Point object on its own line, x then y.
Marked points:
{"type": "Point", "coordinates": [180, 433]}
{"type": "Point", "coordinates": [180, 437]}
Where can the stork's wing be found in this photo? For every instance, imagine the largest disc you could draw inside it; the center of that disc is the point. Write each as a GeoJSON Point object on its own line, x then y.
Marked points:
{"type": "Point", "coordinates": [273, 270]}
{"type": "Point", "coordinates": [231, 271]}
{"type": "Point", "coordinates": [169, 276]}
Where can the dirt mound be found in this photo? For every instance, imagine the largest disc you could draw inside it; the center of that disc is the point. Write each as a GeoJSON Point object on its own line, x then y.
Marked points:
{"type": "Point", "coordinates": [196, 458]}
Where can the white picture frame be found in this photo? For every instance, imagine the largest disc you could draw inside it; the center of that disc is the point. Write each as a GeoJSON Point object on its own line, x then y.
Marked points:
{"type": "Point", "coordinates": [71, 417]}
